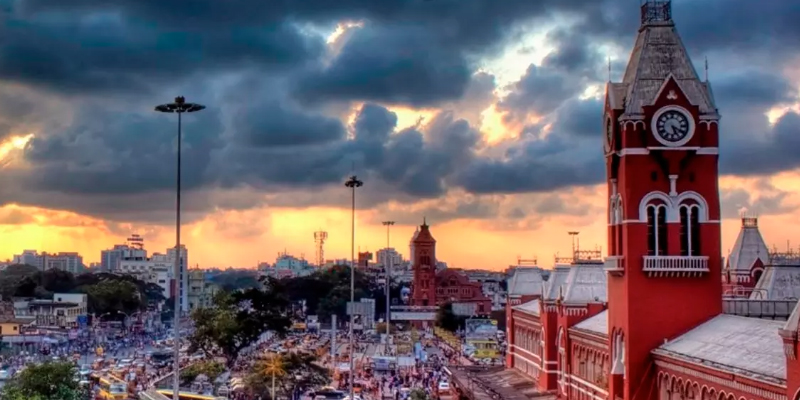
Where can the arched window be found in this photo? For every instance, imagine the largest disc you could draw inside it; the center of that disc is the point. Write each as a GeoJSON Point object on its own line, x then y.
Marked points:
{"type": "Point", "coordinates": [656, 230]}
{"type": "Point", "coordinates": [618, 363]}
{"type": "Point", "coordinates": [690, 230]}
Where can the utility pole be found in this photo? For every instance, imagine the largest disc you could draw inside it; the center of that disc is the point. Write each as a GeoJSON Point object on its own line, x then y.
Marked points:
{"type": "Point", "coordinates": [388, 268]}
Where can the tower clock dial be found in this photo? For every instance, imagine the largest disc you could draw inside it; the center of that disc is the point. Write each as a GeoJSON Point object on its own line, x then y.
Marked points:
{"type": "Point", "coordinates": [673, 126]}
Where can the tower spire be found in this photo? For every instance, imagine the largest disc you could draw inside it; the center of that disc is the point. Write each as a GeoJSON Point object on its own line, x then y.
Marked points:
{"type": "Point", "coordinates": [657, 12]}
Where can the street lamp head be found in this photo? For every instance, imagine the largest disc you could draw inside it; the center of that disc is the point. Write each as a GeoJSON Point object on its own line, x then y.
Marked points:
{"type": "Point", "coordinates": [179, 106]}
{"type": "Point", "coordinates": [353, 182]}
{"type": "Point", "coordinates": [388, 223]}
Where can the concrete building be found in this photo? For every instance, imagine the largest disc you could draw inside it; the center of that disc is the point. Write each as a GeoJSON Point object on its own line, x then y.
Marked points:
{"type": "Point", "coordinates": [65, 261]}
{"type": "Point", "coordinates": [182, 280]}
{"type": "Point", "coordinates": [201, 291]}
{"type": "Point", "coordinates": [60, 312]}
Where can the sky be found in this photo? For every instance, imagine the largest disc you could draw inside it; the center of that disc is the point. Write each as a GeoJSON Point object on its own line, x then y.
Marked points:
{"type": "Point", "coordinates": [482, 116]}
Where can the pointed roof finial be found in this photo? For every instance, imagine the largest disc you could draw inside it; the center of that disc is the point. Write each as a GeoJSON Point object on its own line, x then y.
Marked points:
{"type": "Point", "coordinates": [706, 69]}
{"type": "Point", "coordinates": [609, 68]}
{"type": "Point", "coordinates": [424, 221]}
{"type": "Point", "coordinates": [657, 12]}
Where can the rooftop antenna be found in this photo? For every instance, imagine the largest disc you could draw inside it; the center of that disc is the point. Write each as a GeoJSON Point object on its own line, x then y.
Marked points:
{"type": "Point", "coordinates": [575, 247]}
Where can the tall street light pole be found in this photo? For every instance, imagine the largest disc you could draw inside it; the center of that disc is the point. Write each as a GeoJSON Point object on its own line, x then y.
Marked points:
{"type": "Point", "coordinates": [388, 268]}
{"type": "Point", "coordinates": [352, 183]}
{"type": "Point", "coordinates": [179, 107]}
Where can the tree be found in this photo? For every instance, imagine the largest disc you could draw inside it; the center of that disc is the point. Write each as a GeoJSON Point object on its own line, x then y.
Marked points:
{"type": "Point", "coordinates": [327, 291]}
{"type": "Point", "coordinates": [293, 371]}
{"type": "Point", "coordinates": [211, 369]}
{"type": "Point", "coordinates": [51, 381]}
{"type": "Point", "coordinates": [381, 328]}
{"type": "Point", "coordinates": [113, 296]}
{"type": "Point", "coordinates": [418, 394]}
{"type": "Point", "coordinates": [12, 276]}
{"type": "Point", "coordinates": [446, 319]}
{"type": "Point", "coordinates": [238, 319]}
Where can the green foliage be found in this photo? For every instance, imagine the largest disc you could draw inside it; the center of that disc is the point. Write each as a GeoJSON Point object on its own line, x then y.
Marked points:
{"type": "Point", "coordinates": [300, 370]}
{"type": "Point", "coordinates": [108, 293]}
{"type": "Point", "coordinates": [210, 369]}
{"type": "Point", "coordinates": [51, 381]}
{"type": "Point", "coordinates": [381, 328]}
{"type": "Point", "coordinates": [234, 280]}
{"type": "Point", "coordinates": [238, 319]}
{"type": "Point", "coordinates": [327, 291]}
{"type": "Point", "coordinates": [446, 319]}
{"type": "Point", "coordinates": [12, 277]}
{"type": "Point", "coordinates": [419, 394]}
{"type": "Point", "coordinates": [113, 296]}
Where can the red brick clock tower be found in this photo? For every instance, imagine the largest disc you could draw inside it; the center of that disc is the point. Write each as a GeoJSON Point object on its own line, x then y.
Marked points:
{"type": "Point", "coordinates": [424, 264]}
{"type": "Point", "coordinates": [661, 146]}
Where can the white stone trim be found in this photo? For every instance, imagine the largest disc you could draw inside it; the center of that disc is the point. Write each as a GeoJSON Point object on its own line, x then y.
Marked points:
{"type": "Point", "coordinates": [634, 121]}
{"type": "Point", "coordinates": [672, 204]}
{"type": "Point", "coordinates": [642, 151]}
{"type": "Point", "coordinates": [708, 150]}
{"type": "Point", "coordinates": [532, 354]}
{"type": "Point", "coordinates": [588, 384]}
{"type": "Point", "coordinates": [600, 343]}
{"type": "Point", "coordinates": [735, 385]}
{"type": "Point", "coordinates": [634, 151]}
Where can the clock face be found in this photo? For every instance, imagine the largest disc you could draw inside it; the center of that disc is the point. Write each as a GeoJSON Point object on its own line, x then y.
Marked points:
{"type": "Point", "coordinates": [673, 126]}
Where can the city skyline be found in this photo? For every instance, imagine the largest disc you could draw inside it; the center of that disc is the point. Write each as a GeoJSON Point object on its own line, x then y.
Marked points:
{"type": "Point", "coordinates": [496, 137]}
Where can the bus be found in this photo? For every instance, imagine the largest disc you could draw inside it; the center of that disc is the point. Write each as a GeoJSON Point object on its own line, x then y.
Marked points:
{"type": "Point", "coordinates": [112, 388]}
{"type": "Point", "coordinates": [189, 396]}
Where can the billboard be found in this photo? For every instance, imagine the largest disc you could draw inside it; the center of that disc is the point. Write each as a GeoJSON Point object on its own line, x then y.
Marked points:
{"type": "Point", "coordinates": [465, 309]}
{"type": "Point", "coordinates": [413, 316]}
{"type": "Point", "coordinates": [481, 328]}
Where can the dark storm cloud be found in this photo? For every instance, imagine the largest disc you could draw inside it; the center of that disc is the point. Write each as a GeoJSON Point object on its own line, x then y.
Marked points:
{"type": "Point", "coordinates": [121, 153]}
{"type": "Point", "coordinates": [734, 201]}
{"type": "Point", "coordinates": [83, 53]}
{"type": "Point", "coordinates": [392, 66]}
{"type": "Point", "coordinates": [278, 131]}
{"type": "Point", "coordinates": [541, 90]}
{"type": "Point", "coordinates": [273, 124]}
{"type": "Point", "coordinates": [413, 161]}
{"type": "Point", "coordinates": [750, 88]}
{"type": "Point", "coordinates": [765, 152]}
{"type": "Point", "coordinates": [539, 163]}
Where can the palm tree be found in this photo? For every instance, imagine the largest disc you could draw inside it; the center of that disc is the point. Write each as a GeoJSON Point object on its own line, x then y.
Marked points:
{"type": "Point", "coordinates": [274, 367]}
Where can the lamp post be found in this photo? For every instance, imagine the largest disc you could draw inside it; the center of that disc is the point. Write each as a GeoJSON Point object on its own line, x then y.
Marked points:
{"type": "Point", "coordinates": [388, 267]}
{"type": "Point", "coordinates": [352, 183]}
{"type": "Point", "coordinates": [179, 107]}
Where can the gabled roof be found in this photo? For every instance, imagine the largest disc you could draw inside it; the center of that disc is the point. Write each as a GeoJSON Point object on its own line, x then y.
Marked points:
{"type": "Point", "coordinates": [744, 346]}
{"type": "Point", "coordinates": [597, 324]}
{"type": "Point", "coordinates": [586, 283]}
{"type": "Point", "coordinates": [557, 282]}
{"type": "Point", "coordinates": [526, 281]}
{"type": "Point", "coordinates": [779, 282]}
{"type": "Point", "coordinates": [748, 248]}
{"type": "Point", "coordinates": [531, 307]}
{"type": "Point", "coordinates": [658, 53]}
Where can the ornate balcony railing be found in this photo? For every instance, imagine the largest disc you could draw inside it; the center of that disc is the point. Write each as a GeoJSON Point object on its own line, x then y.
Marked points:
{"type": "Point", "coordinates": [614, 266]}
{"type": "Point", "coordinates": [675, 265]}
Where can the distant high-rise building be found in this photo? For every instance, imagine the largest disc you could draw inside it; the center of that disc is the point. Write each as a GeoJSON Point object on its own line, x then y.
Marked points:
{"type": "Point", "coordinates": [182, 280]}
{"type": "Point", "coordinates": [65, 261]}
